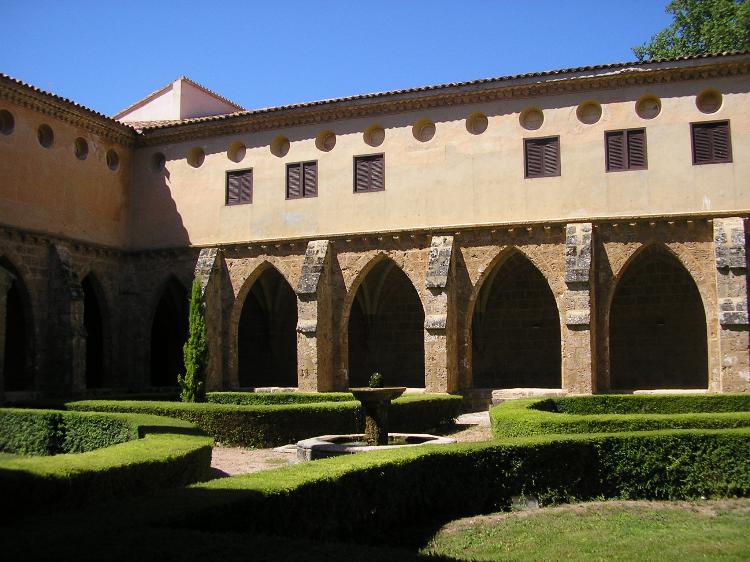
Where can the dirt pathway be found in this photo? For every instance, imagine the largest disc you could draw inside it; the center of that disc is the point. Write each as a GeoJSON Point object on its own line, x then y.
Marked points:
{"type": "Point", "coordinates": [230, 461]}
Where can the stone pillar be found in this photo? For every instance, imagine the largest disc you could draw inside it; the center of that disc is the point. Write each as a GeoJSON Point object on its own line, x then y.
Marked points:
{"type": "Point", "coordinates": [731, 290]}
{"type": "Point", "coordinates": [315, 320]}
{"type": "Point", "coordinates": [6, 281]}
{"type": "Point", "coordinates": [209, 273]}
{"type": "Point", "coordinates": [440, 327]}
{"type": "Point", "coordinates": [66, 332]}
{"type": "Point", "coordinates": [579, 365]}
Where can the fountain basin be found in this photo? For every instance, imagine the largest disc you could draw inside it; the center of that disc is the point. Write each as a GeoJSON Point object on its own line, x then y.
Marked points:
{"type": "Point", "coordinates": [335, 445]}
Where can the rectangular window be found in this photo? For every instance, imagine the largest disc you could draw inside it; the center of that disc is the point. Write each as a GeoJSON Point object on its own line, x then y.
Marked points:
{"type": "Point", "coordinates": [301, 180]}
{"type": "Point", "coordinates": [239, 187]}
{"type": "Point", "coordinates": [369, 173]}
{"type": "Point", "coordinates": [542, 157]}
{"type": "Point", "coordinates": [625, 150]}
{"type": "Point", "coordinates": [712, 143]}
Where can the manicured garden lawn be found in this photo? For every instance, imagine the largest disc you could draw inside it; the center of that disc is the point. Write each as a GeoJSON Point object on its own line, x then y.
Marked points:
{"type": "Point", "coordinates": [704, 530]}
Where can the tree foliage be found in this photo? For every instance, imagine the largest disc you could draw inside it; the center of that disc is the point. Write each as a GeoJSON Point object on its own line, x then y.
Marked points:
{"type": "Point", "coordinates": [195, 352]}
{"type": "Point", "coordinates": [700, 27]}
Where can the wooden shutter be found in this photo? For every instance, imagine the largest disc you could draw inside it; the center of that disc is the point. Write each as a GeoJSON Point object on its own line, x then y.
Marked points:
{"type": "Point", "coordinates": [534, 159]}
{"type": "Point", "coordinates": [615, 151]}
{"type": "Point", "coordinates": [369, 173]}
{"type": "Point", "coordinates": [552, 157]}
{"type": "Point", "coordinates": [542, 158]}
{"type": "Point", "coordinates": [636, 149]}
{"type": "Point", "coordinates": [239, 187]}
{"type": "Point", "coordinates": [293, 181]}
{"type": "Point", "coordinates": [377, 173]}
{"type": "Point", "coordinates": [711, 143]}
{"type": "Point", "coordinates": [310, 179]}
{"type": "Point", "coordinates": [720, 142]}
{"type": "Point", "coordinates": [361, 174]}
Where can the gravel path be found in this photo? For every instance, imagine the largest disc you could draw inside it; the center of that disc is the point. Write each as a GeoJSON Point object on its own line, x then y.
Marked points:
{"type": "Point", "coordinates": [229, 461]}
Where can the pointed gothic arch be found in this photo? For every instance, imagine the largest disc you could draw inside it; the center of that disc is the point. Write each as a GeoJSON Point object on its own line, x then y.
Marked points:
{"type": "Point", "coordinates": [19, 332]}
{"type": "Point", "coordinates": [657, 325]}
{"type": "Point", "coordinates": [169, 331]}
{"type": "Point", "coordinates": [384, 327]}
{"type": "Point", "coordinates": [94, 308]}
{"type": "Point", "coordinates": [267, 331]}
{"type": "Point", "coordinates": [515, 326]}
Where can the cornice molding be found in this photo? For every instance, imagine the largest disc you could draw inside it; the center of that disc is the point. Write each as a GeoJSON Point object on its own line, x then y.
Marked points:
{"type": "Point", "coordinates": [420, 101]}
{"type": "Point", "coordinates": [67, 112]}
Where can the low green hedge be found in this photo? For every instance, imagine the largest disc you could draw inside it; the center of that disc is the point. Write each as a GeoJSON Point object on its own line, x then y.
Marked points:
{"type": "Point", "coordinates": [273, 425]}
{"type": "Point", "coordinates": [615, 413]}
{"type": "Point", "coordinates": [153, 453]}
{"type": "Point", "coordinates": [50, 432]}
{"type": "Point", "coordinates": [377, 496]}
{"type": "Point", "coordinates": [372, 495]}
{"type": "Point", "coordinates": [271, 398]}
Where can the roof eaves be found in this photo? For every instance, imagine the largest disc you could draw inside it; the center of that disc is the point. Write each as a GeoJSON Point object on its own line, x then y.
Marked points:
{"type": "Point", "coordinates": [567, 73]}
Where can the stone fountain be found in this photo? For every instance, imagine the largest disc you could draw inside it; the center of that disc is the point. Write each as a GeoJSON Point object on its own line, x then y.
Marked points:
{"type": "Point", "coordinates": [376, 401]}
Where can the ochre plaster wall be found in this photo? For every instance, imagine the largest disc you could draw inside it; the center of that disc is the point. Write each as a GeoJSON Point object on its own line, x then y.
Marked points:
{"type": "Point", "coordinates": [456, 178]}
{"type": "Point", "coordinates": [50, 190]}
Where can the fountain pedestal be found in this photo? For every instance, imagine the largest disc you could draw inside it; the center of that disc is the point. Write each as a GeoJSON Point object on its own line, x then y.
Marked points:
{"type": "Point", "coordinates": [375, 403]}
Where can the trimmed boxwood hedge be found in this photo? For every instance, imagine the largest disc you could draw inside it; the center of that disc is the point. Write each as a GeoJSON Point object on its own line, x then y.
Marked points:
{"type": "Point", "coordinates": [269, 398]}
{"type": "Point", "coordinates": [378, 496]}
{"type": "Point", "coordinates": [273, 425]}
{"type": "Point", "coordinates": [143, 454]}
{"type": "Point", "coordinates": [49, 432]}
{"type": "Point", "coordinates": [615, 413]}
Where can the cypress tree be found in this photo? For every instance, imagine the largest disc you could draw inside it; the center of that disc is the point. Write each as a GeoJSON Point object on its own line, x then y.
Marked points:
{"type": "Point", "coordinates": [195, 352]}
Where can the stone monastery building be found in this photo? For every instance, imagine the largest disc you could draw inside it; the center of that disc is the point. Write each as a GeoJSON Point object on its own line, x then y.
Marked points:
{"type": "Point", "coordinates": [582, 230]}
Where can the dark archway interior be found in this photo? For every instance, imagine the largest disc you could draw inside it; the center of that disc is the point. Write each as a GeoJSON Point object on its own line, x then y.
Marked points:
{"type": "Point", "coordinates": [16, 361]}
{"type": "Point", "coordinates": [386, 329]}
{"type": "Point", "coordinates": [657, 326]}
{"type": "Point", "coordinates": [267, 333]}
{"type": "Point", "coordinates": [92, 322]}
{"type": "Point", "coordinates": [169, 332]}
{"type": "Point", "coordinates": [516, 329]}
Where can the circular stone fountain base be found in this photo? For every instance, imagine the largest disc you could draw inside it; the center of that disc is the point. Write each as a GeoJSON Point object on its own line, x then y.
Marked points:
{"type": "Point", "coordinates": [334, 445]}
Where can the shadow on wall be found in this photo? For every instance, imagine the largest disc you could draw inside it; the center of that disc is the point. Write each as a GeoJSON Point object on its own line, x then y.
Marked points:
{"type": "Point", "coordinates": [155, 221]}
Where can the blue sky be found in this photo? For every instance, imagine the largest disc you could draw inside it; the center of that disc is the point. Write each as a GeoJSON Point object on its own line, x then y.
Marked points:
{"type": "Point", "coordinates": [106, 54]}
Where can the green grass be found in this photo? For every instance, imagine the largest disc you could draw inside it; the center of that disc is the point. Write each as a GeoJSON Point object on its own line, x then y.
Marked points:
{"type": "Point", "coordinates": [708, 530]}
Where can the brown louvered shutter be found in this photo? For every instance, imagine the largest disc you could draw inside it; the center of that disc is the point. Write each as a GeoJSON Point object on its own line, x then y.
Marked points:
{"type": "Point", "coordinates": [552, 157]}
{"type": "Point", "coordinates": [711, 143]}
{"type": "Point", "coordinates": [311, 179]}
{"type": "Point", "coordinates": [720, 142]}
{"type": "Point", "coordinates": [542, 157]}
{"type": "Point", "coordinates": [636, 149]}
{"type": "Point", "coordinates": [293, 181]}
{"type": "Point", "coordinates": [534, 159]}
{"type": "Point", "coordinates": [361, 174]}
{"type": "Point", "coordinates": [377, 173]}
{"type": "Point", "coordinates": [615, 150]}
{"type": "Point", "coordinates": [246, 186]}
{"type": "Point", "coordinates": [239, 187]}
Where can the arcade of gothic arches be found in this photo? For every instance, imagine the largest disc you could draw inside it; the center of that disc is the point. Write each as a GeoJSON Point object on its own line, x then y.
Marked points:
{"type": "Point", "coordinates": [654, 313]}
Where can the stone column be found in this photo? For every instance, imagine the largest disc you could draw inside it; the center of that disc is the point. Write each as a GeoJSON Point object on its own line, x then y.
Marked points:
{"type": "Point", "coordinates": [66, 332]}
{"type": "Point", "coordinates": [6, 281]}
{"type": "Point", "coordinates": [731, 290]}
{"type": "Point", "coordinates": [315, 320]}
{"type": "Point", "coordinates": [209, 273]}
{"type": "Point", "coordinates": [440, 327]}
{"type": "Point", "coordinates": [579, 366]}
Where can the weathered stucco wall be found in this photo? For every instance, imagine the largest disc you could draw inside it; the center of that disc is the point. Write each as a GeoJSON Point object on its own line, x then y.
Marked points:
{"type": "Point", "coordinates": [51, 190]}
{"type": "Point", "coordinates": [456, 178]}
